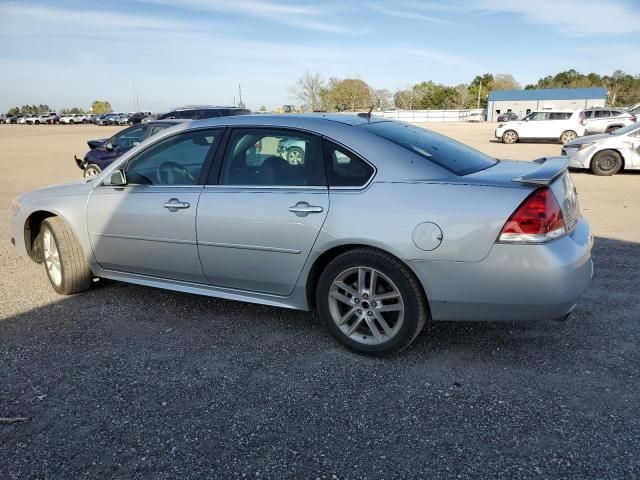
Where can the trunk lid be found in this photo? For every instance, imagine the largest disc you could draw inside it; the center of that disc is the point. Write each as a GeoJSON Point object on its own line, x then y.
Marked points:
{"type": "Point", "coordinates": [544, 172]}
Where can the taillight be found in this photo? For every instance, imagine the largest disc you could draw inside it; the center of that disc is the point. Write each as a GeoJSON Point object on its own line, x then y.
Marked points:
{"type": "Point", "coordinates": [538, 219]}
{"type": "Point", "coordinates": [581, 118]}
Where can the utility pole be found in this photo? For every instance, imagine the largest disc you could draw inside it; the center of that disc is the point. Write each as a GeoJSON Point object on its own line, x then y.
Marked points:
{"type": "Point", "coordinates": [240, 96]}
{"type": "Point", "coordinates": [133, 96]}
{"type": "Point", "coordinates": [479, 90]}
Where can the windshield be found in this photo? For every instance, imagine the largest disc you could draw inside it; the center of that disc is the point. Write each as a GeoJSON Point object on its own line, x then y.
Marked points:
{"type": "Point", "coordinates": [629, 128]}
{"type": "Point", "coordinates": [439, 149]}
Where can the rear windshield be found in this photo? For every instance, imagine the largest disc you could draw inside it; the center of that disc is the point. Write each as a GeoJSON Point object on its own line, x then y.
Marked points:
{"type": "Point", "coordinates": [443, 151]}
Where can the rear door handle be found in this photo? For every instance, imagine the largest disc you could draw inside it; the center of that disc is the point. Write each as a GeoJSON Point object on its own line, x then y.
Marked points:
{"type": "Point", "coordinates": [302, 209]}
{"type": "Point", "coordinates": [173, 205]}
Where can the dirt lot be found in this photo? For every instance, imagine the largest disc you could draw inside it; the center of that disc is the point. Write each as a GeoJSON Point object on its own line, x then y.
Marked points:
{"type": "Point", "coordinates": [132, 382]}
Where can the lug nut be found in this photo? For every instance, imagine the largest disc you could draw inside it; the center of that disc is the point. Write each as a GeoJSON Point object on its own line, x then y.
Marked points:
{"type": "Point", "coordinates": [374, 304]}
{"type": "Point", "coordinates": [356, 300]}
{"type": "Point", "coordinates": [365, 296]}
{"type": "Point", "coordinates": [359, 312]}
{"type": "Point", "coordinates": [370, 313]}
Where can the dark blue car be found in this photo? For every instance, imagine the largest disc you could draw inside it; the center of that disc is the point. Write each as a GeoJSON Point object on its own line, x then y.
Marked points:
{"type": "Point", "coordinates": [104, 151]}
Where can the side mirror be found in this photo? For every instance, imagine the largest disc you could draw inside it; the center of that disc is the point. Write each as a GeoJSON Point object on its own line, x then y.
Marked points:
{"type": "Point", "coordinates": [108, 146]}
{"type": "Point", "coordinates": [118, 179]}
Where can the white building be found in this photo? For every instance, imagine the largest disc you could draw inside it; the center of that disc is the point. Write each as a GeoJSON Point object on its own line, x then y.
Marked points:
{"type": "Point", "coordinates": [523, 102]}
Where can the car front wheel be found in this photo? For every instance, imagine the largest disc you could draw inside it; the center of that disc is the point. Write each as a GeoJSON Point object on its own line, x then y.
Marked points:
{"type": "Point", "coordinates": [371, 302]}
{"type": "Point", "coordinates": [510, 136]}
{"type": "Point", "coordinates": [606, 163]}
{"type": "Point", "coordinates": [64, 261]}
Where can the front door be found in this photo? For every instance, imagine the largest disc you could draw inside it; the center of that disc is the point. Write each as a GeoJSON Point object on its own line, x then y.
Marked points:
{"type": "Point", "coordinates": [148, 226]}
{"type": "Point", "coordinates": [258, 224]}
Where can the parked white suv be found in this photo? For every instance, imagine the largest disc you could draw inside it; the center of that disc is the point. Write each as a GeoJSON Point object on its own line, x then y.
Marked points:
{"type": "Point", "coordinates": [561, 125]}
{"type": "Point", "coordinates": [72, 118]}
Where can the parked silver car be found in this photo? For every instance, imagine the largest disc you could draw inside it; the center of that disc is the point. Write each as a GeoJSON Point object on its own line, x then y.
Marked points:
{"type": "Point", "coordinates": [606, 154]}
{"type": "Point", "coordinates": [606, 120]}
{"type": "Point", "coordinates": [381, 227]}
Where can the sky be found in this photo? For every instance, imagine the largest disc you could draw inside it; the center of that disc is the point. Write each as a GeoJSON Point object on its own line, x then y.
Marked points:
{"type": "Point", "coordinates": [67, 53]}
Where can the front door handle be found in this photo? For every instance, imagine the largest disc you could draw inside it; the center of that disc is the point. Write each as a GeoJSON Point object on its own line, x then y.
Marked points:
{"type": "Point", "coordinates": [302, 209]}
{"type": "Point", "coordinates": [173, 205]}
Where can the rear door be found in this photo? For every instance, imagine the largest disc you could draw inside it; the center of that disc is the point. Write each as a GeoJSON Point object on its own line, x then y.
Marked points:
{"type": "Point", "coordinates": [259, 217]}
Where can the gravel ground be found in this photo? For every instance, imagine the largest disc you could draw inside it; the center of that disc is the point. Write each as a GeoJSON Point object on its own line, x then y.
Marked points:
{"type": "Point", "coordinates": [130, 382]}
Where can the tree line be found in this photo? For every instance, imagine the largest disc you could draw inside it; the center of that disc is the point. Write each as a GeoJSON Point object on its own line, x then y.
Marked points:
{"type": "Point", "coordinates": [353, 94]}
{"type": "Point", "coordinates": [98, 106]}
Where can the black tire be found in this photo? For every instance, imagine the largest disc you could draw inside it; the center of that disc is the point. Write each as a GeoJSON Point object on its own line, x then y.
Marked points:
{"type": "Point", "coordinates": [76, 273]}
{"type": "Point", "coordinates": [612, 129]}
{"type": "Point", "coordinates": [37, 122]}
{"type": "Point", "coordinates": [606, 163]}
{"type": "Point", "coordinates": [416, 310]}
{"type": "Point", "coordinates": [567, 136]}
{"type": "Point", "coordinates": [510, 136]}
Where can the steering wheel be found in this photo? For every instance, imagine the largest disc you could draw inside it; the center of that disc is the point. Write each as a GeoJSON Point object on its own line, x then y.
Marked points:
{"type": "Point", "coordinates": [171, 170]}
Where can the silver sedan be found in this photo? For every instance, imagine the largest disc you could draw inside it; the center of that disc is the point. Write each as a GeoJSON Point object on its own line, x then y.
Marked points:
{"type": "Point", "coordinates": [380, 226]}
{"type": "Point", "coordinates": [608, 153]}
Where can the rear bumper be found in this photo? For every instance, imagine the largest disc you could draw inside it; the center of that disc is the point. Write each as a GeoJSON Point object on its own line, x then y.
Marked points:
{"type": "Point", "coordinates": [514, 282]}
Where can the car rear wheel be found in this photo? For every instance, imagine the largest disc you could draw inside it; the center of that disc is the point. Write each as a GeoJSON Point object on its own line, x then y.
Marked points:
{"type": "Point", "coordinates": [612, 129]}
{"type": "Point", "coordinates": [371, 302]}
{"type": "Point", "coordinates": [606, 163]}
{"type": "Point", "coordinates": [91, 171]}
{"type": "Point", "coordinates": [64, 261]}
{"type": "Point", "coordinates": [567, 136]}
{"type": "Point", "coordinates": [510, 136]}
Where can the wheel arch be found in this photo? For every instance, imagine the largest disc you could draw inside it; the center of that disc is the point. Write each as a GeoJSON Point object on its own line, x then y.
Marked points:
{"type": "Point", "coordinates": [321, 262]}
{"type": "Point", "coordinates": [32, 227]}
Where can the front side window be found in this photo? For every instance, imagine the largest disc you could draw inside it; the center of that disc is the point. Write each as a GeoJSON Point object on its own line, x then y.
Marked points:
{"type": "Point", "coordinates": [129, 138]}
{"type": "Point", "coordinates": [344, 169]}
{"type": "Point", "coordinates": [603, 114]}
{"type": "Point", "coordinates": [273, 157]}
{"type": "Point", "coordinates": [177, 160]}
{"type": "Point", "coordinates": [538, 116]}
{"type": "Point", "coordinates": [158, 128]}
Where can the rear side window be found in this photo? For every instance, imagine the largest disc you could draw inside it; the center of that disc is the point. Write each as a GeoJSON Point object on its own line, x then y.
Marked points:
{"type": "Point", "coordinates": [603, 114]}
{"type": "Point", "coordinates": [559, 115]}
{"type": "Point", "coordinates": [443, 151]}
{"type": "Point", "coordinates": [345, 169]}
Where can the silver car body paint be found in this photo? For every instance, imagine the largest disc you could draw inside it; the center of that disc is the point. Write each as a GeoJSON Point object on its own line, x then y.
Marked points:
{"type": "Point", "coordinates": [243, 243]}
{"type": "Point", "coordinates": [624, 141]}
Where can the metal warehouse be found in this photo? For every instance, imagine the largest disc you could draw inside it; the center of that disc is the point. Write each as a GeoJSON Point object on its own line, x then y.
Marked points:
{"type": "Point", "coordinates": [523, 102]}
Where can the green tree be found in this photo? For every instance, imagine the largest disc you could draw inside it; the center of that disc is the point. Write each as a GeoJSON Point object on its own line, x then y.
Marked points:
{"type": "Point", "coordinates": [13, 111]}
{"type": "Point", "coordinates": [101, 106]}
{"type": "Point", "coordinates": [350, 94]}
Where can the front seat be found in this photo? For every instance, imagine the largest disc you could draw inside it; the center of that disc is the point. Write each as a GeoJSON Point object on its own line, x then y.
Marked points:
{"type": "Point", "coordinates": [275, 171]}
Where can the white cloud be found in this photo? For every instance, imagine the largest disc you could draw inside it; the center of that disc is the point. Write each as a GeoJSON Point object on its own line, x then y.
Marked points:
{"type": "Point", "coordinates": [316, 17]}
{"type": "Point", "coordinates": [400, 11]}
{"type": "Point", "coordinates": [571, 17]}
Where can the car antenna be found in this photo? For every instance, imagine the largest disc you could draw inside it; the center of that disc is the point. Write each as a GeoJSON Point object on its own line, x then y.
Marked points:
{"type": "Point", "coordinates": [368, 114]}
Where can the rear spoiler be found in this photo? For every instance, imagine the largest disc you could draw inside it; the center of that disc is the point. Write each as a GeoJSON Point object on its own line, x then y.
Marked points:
{"type": "Point", "coordinates": [550, 169]}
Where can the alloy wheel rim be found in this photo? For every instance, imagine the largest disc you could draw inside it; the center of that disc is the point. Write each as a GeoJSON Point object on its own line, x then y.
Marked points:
{"type": "Point", "coordinates": [366, 305]}
{"type": "Point", "coordinates": [510, 137]}
{"type": "Point", "coordinates": [294, 157]}
{"type": "Point", "coordinates": [52, 258]}
{"type": "Point", "coordinates": [91, 172]}
{"type": "Point", "coordinates": [567, 137]}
